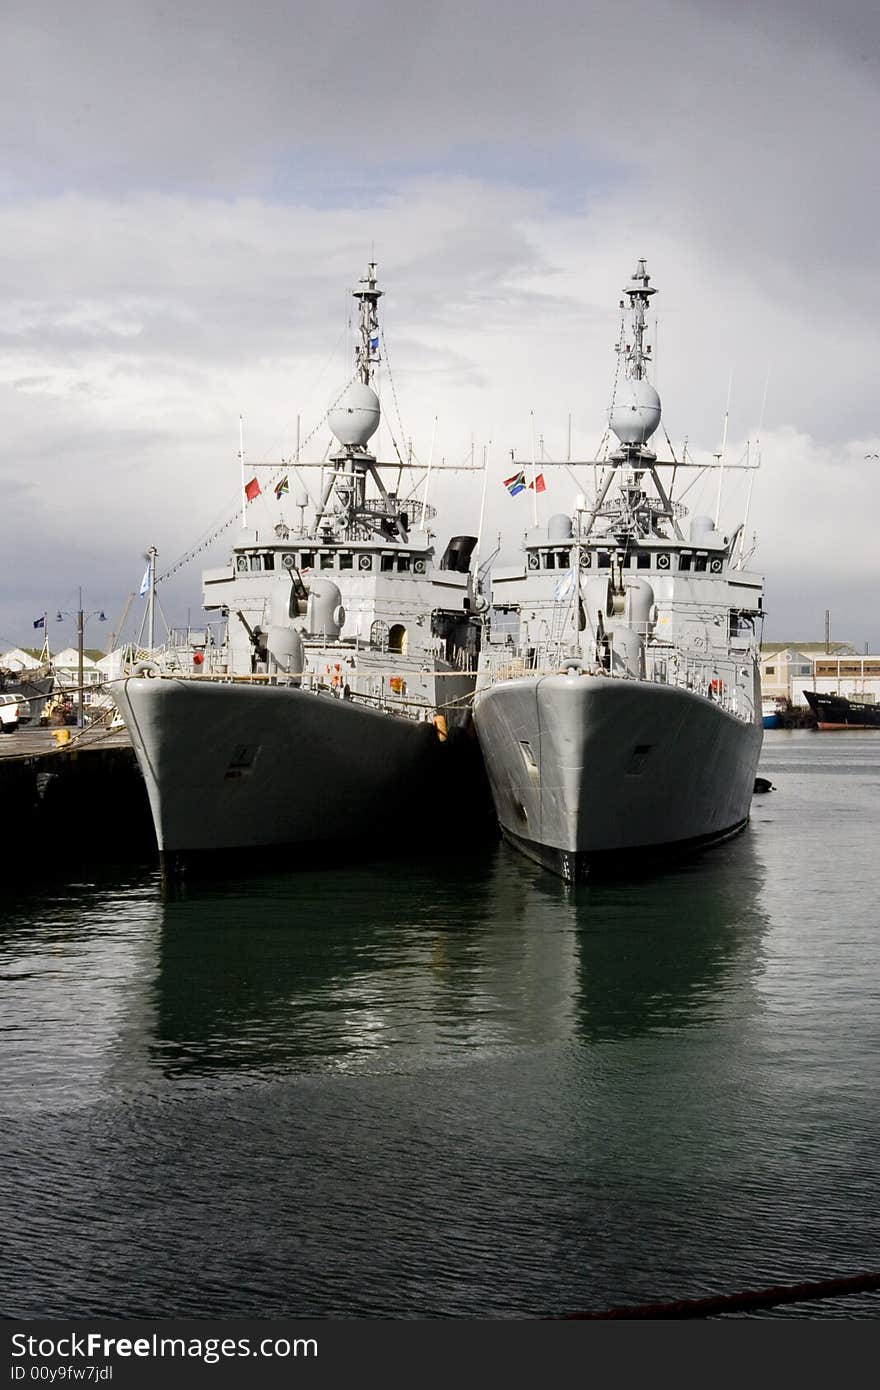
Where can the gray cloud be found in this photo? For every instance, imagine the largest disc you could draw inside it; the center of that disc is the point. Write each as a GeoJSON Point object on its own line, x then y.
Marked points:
{"type": "Point", "coordinates": [189, 191]}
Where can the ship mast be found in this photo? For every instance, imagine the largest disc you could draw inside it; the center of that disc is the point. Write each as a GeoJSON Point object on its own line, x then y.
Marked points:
{"type": "Point", "coordinates": [354, 418]}
{"type": "Point", "coordinates": [367, 351]}
{"type": "Point", "coordinates": [636, 355]}
{"type": "Point", "coordinates": [634, 417]}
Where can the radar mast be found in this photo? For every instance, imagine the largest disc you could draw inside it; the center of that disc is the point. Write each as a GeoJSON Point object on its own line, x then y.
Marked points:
{"type": "Point", "coordinates": [367, 351]}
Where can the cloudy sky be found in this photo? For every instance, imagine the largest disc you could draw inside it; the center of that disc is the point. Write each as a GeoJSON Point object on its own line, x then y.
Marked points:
{"type": "Point", "coordinates": [189, 192]}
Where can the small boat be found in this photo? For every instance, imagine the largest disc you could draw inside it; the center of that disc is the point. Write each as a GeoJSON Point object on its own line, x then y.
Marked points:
{"type": "Point", "coordinates": [838, 712]}
{"type": "Point", "coordinates": [770, 714]}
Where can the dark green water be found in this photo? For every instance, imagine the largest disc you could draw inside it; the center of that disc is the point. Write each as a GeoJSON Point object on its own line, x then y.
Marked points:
{"type": "Point", "coordinates": [453, 1088]}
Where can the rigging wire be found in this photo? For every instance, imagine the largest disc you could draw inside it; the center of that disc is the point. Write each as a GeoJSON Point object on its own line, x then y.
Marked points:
{"type": "Point", "coordinates": [218, 531]}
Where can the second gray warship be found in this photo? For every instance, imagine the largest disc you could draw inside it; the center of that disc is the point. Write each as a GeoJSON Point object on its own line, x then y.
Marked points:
{"type": "Point", "coordinates": [618, 703]}
{"type": "Point", "coordinates": [331, 709]}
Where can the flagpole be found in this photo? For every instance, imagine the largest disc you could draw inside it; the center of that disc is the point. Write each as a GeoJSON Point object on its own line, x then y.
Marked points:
{"type": "Point", "coordinates": [81, 717]}
{"type": "Point", "coordinates": [428, 478]}
{"type": "Point", "coordinates": [152, 595]}
{"type": "Point", "coordinates": [241, 456]}
{"type": "Point", "coordinates": [723, 450]}
{"type": "Point", "coordinates": [534, 487]}
{"type": "Point", "coordinates": [487, 449]}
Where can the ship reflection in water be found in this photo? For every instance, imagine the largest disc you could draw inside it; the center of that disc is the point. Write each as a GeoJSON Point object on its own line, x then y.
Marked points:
{"type": "Point", "coordinates": [375, 971]}
{"type": "Point", "coordinates": [455, 1088]}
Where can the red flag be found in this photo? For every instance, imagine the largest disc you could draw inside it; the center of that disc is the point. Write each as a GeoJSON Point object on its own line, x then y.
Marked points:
{"type": "Point", "coordinates": [252, 490]}
{"type": "Point", "coordinates": [539, 485]}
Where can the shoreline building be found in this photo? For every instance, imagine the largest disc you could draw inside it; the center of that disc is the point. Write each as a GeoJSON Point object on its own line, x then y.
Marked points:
{"type": "Point", "coordinates": [787, 668]}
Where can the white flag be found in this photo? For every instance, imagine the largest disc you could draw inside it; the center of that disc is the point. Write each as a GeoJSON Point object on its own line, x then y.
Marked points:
{"type": "Point", "coordinates": [145, 583]}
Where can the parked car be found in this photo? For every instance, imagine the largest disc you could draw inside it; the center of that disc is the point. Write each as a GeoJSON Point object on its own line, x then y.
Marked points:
{"type": "Point", "coordinates": [10, 716]}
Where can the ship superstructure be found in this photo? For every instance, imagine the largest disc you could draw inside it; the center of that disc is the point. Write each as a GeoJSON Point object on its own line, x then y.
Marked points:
{"type": "Point", "coordinates": [618, 703]}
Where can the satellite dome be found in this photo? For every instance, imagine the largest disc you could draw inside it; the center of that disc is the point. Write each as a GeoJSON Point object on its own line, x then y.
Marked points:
{"type": "Point", "coordinates": [355, 416]}
{"type": "Point", "coordinates": [636, 411]}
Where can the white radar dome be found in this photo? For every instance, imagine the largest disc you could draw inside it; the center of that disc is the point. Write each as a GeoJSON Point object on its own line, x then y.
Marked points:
{"type": "Point", "coordinates": [636, 411]}
{"type": "Point", "coordinates": [355, 416]}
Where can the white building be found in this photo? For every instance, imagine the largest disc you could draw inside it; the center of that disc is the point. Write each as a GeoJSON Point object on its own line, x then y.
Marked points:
{"type": "Point", "coordinates": [856, 677]}
{"type": "Point", "coordinates": [66, 665]}
{"type": "Point", "coordinates": [17, 659]}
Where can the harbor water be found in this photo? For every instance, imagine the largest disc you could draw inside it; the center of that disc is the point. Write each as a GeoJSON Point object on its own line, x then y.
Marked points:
{"type": "Point", "coordinates": [457, 1086]}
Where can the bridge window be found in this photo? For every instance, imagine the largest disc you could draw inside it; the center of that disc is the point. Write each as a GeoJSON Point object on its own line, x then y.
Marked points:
{"type": "Point", "coordinates": [685, 561]}
{"type": "Point", "coordinates": [346, 560]}
{"type": "Point", "coordinates": [327, 561]}
{"type": "Point", "coordinates": [644, 561]}
{"type": "Point", "coordinates": [307, 560]}
{"type": "Point", "coordinates": [268, 562]}
{"type": "Point", "coordinates": [387, 564]}
{"type": "Point", "coordinates": [256, 562]}
{"type": "Point", "coordinates": [403, 562]}
{"type": "Point", "coordinates": [562, 559]}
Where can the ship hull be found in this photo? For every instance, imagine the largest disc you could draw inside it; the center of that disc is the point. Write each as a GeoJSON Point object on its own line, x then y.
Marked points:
{"type": "Point", "coordinates": [591, 771]}
{"type": "Point", "coordinates": [837, 712]}
{"type": "Point", "coordinates": [232, 767]}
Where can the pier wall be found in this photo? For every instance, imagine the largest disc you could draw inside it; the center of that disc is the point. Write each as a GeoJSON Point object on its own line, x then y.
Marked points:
{"type": "Point", "coordinates": [86, 803]}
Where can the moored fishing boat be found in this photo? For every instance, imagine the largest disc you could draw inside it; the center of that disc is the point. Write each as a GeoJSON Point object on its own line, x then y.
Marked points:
{"type": "Point", "coordinates": [839, 712]}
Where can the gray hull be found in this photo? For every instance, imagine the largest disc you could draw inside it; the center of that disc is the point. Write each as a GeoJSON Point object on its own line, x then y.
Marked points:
{"type": "Point", "coordinates": [584, 769]}
{"type": "Point", "coordinates": [232, 767]}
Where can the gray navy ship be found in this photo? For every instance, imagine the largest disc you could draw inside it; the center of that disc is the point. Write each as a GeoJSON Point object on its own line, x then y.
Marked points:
{"type": "Point", "coordinates": [336, 707]}
{"type": "Point", "coordinates": [618, 701]}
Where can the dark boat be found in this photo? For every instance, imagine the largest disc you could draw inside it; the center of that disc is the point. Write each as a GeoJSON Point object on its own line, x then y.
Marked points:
{"type": "Point", "coordinates": [837, 712]}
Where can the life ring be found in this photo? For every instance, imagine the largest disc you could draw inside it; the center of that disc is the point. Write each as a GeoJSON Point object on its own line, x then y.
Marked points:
{"type": "Point", "coordinates": [146, 668]}
{"type": "Point", "coordinates": [716, 688]}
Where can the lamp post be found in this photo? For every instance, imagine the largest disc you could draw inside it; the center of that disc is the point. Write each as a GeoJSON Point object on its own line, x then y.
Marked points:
{"type": "Point", "coordinates": [80, 627]}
